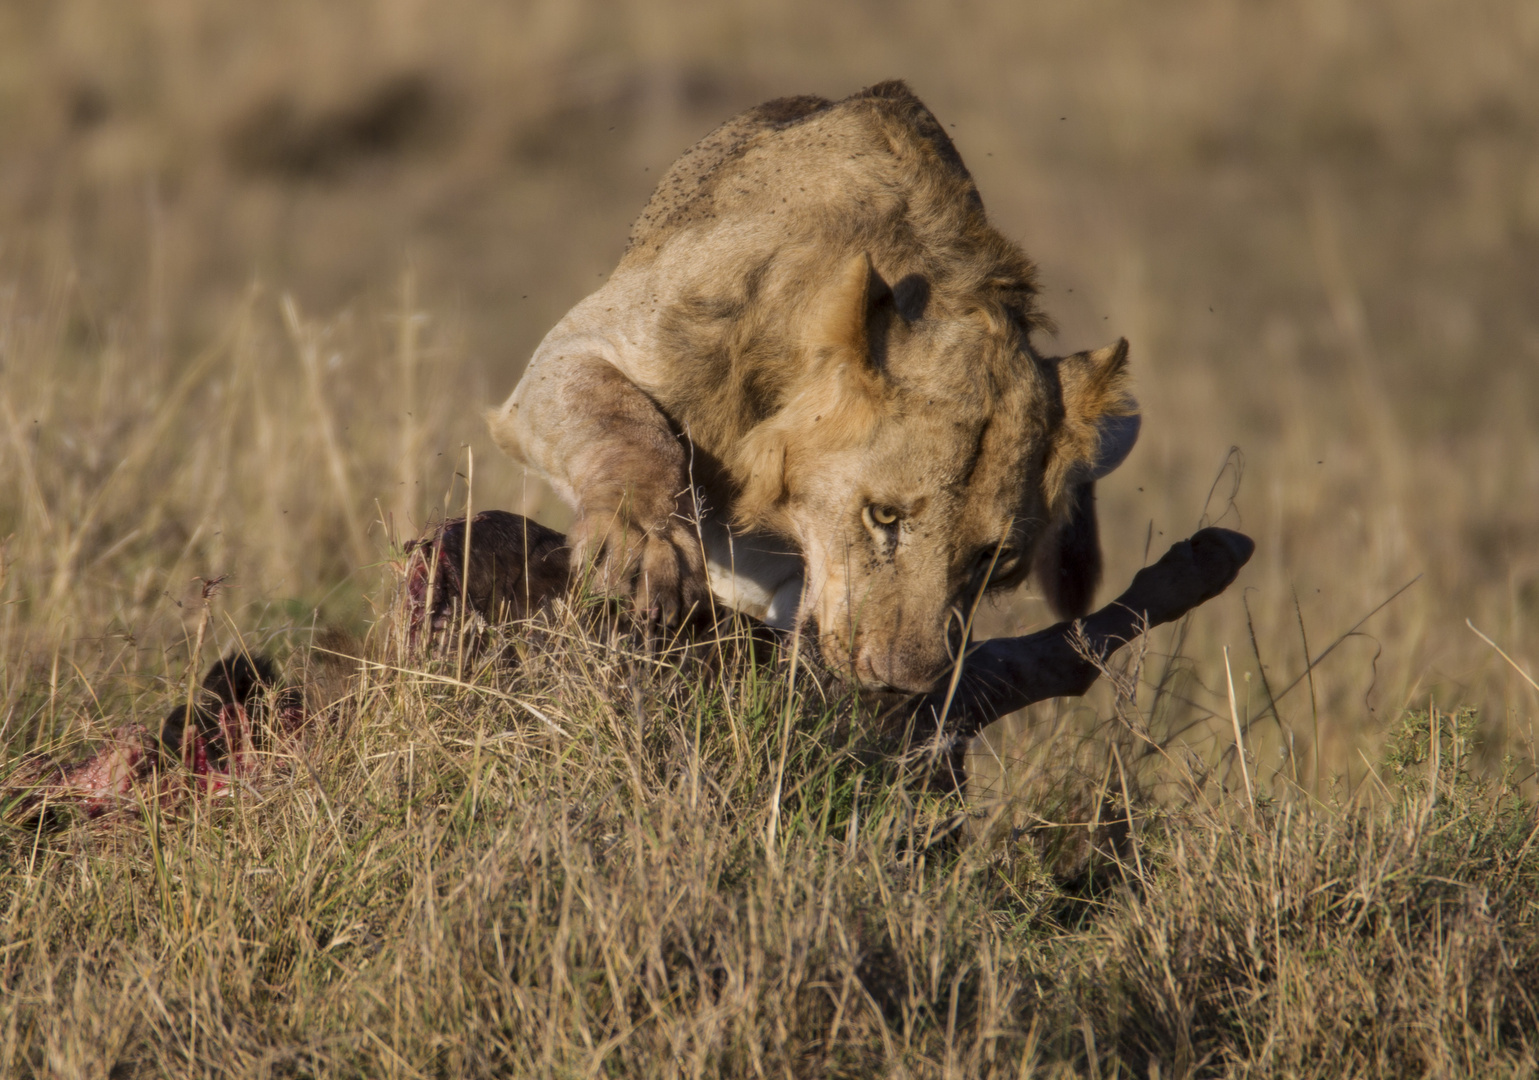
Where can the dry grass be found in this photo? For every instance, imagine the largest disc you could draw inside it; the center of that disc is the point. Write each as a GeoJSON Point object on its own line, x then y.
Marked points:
{"type": "Point", "coordinates": [262, 265]}
{"type": "Point", "coordinates": [615, 860]}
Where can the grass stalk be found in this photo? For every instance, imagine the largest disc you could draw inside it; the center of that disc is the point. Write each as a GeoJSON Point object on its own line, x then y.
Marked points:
{"type": "Point", "coordinates": [1239, 735]}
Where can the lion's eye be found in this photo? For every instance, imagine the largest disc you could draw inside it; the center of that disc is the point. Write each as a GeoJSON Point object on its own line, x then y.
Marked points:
{"type": "Point", "coordinates": [1001, 564]}
{"type": "Point", "coordinates": [879, 517]}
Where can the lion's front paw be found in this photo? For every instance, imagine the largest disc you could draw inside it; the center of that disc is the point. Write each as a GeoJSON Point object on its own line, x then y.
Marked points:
{"type": "Point", "coordinates": [661, 569]}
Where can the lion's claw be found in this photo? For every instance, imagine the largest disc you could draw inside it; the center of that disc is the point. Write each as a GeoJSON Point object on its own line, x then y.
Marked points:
{"type": "Point", "coordinates": [662, 570]}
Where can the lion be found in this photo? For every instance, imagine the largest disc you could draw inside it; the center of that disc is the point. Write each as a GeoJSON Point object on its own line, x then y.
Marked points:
{"type": "Point", "coordinates": [809, 392]}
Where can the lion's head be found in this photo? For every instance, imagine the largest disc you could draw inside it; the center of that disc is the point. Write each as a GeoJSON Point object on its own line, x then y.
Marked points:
{"type": "Point", "coordinates": [928, 454]}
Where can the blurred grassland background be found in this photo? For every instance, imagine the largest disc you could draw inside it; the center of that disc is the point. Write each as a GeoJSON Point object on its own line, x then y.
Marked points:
{"type": "Point", "coordinates": [263, 265]}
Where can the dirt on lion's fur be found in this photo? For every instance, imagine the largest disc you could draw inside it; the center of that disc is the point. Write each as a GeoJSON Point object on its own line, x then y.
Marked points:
{"type": "Point", "coordinates": [262, 267]}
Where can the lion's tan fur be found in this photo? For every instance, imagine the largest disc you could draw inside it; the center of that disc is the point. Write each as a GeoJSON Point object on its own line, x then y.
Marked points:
{"type": "Point", "coordinates": [813, 318]}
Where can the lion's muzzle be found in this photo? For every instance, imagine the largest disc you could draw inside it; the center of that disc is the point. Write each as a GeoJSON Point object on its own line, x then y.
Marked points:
{"type": "Point", "coordinates": [910, 663]}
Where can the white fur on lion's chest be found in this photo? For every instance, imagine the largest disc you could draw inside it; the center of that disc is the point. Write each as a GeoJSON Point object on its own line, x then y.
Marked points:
{"type": "Point", "coordinates": [754, 573]}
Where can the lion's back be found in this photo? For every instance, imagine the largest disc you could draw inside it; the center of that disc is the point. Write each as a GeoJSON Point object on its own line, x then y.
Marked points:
{"type": "Point", "coordinates": [882, 139]}
{"type": "Point", "coordinates": [683, 193]}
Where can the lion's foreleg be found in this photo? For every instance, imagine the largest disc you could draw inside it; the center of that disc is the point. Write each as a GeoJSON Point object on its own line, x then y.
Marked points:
{"type": "Point", "coordinates": [608, 449]}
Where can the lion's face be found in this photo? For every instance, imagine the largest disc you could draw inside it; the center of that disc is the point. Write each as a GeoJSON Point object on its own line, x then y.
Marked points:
{"type": "Point", "coordinates": [915, 478]}
{"type": "Point", "coordinates": [900, 536]}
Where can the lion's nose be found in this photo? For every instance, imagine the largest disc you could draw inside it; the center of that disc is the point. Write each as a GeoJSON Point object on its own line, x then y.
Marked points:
{"type": "Point", "coordinates": [894, 668]}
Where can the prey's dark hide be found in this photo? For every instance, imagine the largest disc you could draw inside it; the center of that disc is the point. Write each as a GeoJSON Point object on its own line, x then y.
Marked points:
{"type": "Point", "coordinates": [515, 566]}
{"type": "Point", "coordinates": [207, 744]}
{"type": "Point", "coordinates": [238, 681]}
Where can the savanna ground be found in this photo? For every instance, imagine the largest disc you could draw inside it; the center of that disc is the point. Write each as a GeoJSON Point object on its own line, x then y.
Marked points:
{"type": "Point", "coordinates": [262, 265]}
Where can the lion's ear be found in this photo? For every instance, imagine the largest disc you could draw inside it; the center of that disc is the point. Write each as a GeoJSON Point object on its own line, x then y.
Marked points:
{"type": "Point", "coordinates": [853, 309]}
{"type": "Point", "coordinates": [1100, 426]}
{"type": "Point", "coordinates": [838, 325]}
{"type": "Point", "coordinates": [1101, 420]}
